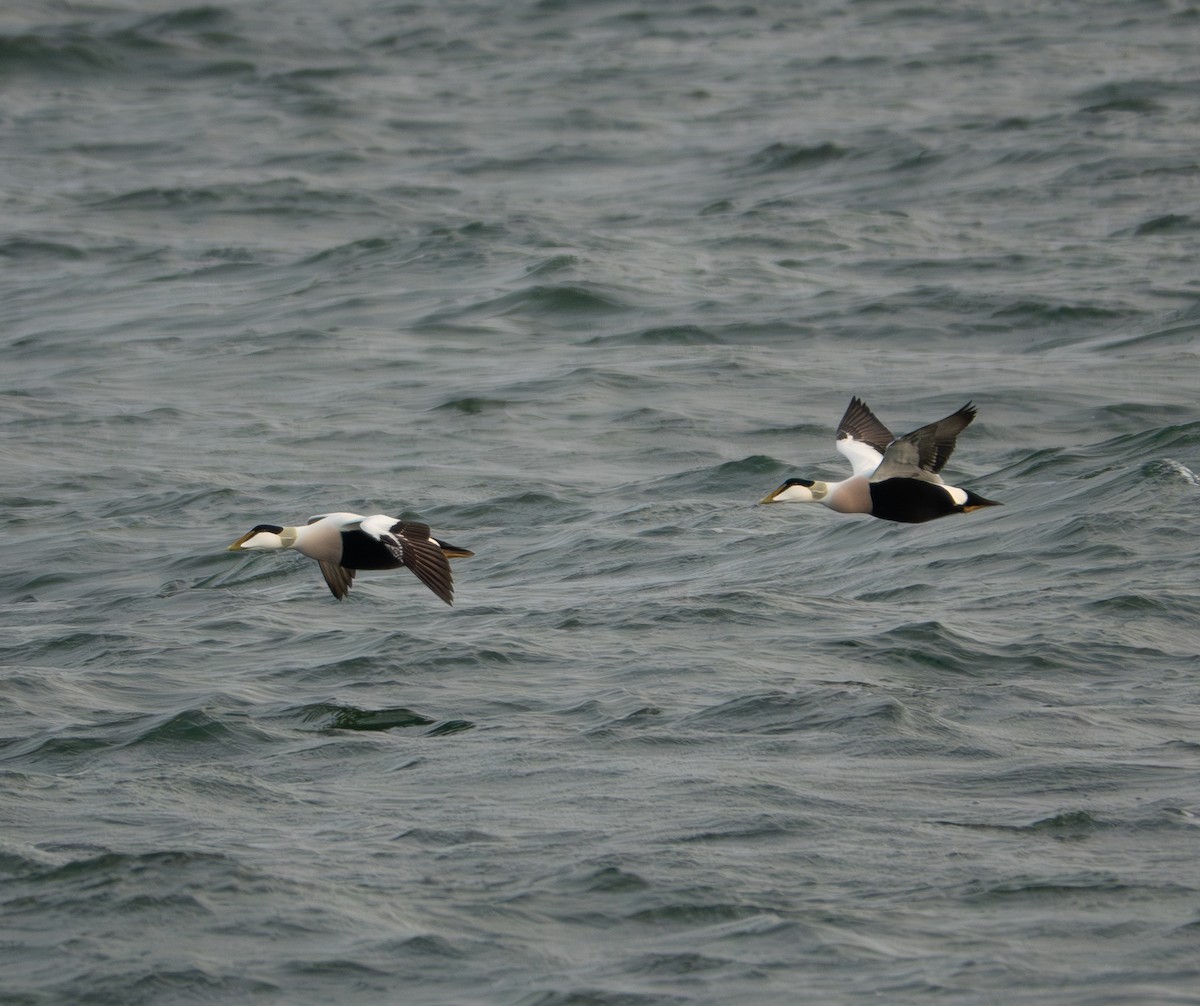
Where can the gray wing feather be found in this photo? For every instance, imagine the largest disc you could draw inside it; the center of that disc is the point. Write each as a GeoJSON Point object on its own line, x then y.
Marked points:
{"type": "Point", "coordinates": [924, 452]}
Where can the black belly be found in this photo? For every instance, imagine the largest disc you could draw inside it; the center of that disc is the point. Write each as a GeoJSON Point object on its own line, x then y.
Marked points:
{"type": "Point", "coordinates": [361, 551]}
{"type": "Point", "coordinates": [910, 501]}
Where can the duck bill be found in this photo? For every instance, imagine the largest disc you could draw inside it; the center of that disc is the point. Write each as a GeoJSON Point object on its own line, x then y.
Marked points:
{"type": "Point", "coordinates": [237, 545]}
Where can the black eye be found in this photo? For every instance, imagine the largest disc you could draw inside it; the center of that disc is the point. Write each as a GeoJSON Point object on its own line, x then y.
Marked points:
{"type": "Point", "coordinates": [272, 528]}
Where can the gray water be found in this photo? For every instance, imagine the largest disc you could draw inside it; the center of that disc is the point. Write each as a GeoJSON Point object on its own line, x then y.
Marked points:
{"type": "Point", "coordinates": [577, 283]}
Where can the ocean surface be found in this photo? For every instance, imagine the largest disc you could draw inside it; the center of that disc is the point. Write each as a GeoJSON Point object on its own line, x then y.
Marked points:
{"type": "Point", "coordinates": [577, 283]}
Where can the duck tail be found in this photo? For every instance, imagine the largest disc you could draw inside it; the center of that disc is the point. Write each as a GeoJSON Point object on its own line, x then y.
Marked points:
{"type": "Point", "coordinates": [977, 502]}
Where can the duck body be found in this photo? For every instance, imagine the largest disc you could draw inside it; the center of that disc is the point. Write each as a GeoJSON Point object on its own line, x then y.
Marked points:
{"type": "Point", "coordinates": [914, 501]}
{"type": "Point", "coordinates": [343, 543]}
{"type": "Point", "coordinates": [895, 478]}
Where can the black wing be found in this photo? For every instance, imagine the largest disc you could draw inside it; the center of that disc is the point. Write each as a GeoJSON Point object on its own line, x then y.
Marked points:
{"type": "Point", "coordinates": [861, 423]}
{"type": "Point", "coordinates": [337, 577]}
{"type": "Point", "coordinates": [411, 543]}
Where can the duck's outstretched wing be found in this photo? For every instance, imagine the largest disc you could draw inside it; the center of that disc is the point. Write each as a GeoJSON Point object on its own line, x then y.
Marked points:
{"type": "Point", "coordinates": [923, 453]}
{"type": "Point", "coordinates": [337, 578]}
{"type": "Point", "coordinates": [861, 438]}
{"type": "Point", "coordinates": [414, 546]}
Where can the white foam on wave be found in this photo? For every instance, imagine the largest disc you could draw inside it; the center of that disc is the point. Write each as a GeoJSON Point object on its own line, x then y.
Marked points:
{"type": "Point", "coordinates": [1182, 470]}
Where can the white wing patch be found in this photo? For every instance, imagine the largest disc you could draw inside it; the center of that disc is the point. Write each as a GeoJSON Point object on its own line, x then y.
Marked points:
{"type": "Point", "coordinates": [379, 526]}
{"type": "Point", "coordinates": [863, 458]}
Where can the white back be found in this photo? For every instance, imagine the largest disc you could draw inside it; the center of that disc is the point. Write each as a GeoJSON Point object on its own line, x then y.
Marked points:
{"type": "Point", "coordinates": [337, 521]}
{"type": "Point", "coordinates": [378, 525]}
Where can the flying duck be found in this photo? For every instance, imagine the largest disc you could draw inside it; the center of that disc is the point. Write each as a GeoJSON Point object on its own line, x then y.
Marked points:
{"type": "Point", "coordinates": [343, 543]}
{"type": "Point", "coordinates": [894, 479]}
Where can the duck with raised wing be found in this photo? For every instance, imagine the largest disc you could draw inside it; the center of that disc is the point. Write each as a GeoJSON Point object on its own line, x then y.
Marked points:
{"type": "Point", "coordinates": [343, 543]}
{"type": "Point", "coordinates": [895, 478]}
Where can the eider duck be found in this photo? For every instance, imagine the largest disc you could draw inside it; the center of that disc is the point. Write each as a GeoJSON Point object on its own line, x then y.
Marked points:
{"type": "Point", "coordinates": [894, 479]}
{"type": "Point", "coordinates": [343, 543]}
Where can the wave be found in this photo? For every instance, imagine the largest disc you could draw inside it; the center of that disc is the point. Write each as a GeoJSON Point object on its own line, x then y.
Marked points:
{"type": "Point", "coordinates": [668, 335]}
{"type": "Point", "coordinates": [282, 196]}
{"type": "Point", "coordinates": [740, 477]}
{"type": "Point", "coordinates": [817, 709]}
{"type": "Point", "coordinates": [559, 300]}
{"type": "Point", "coordinates": [195, 41]}
{"type": "Point", "coordinates": [792, 157]}
{"type": "Point", "coordinates": [340, 717]}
